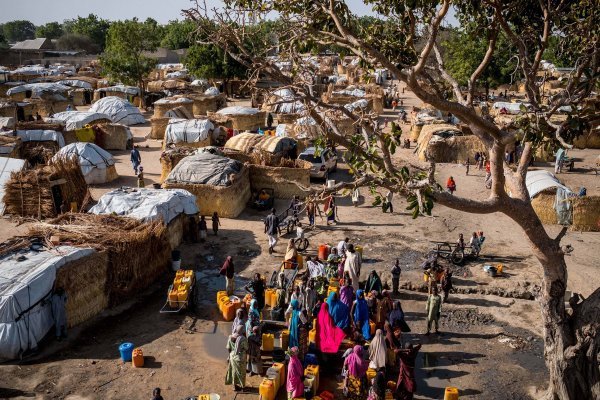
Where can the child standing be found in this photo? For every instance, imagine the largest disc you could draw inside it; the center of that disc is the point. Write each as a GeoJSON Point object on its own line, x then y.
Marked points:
{"type": "Point", "coordinates": [203, 229]}
{"type": "Point", "coordinates": [215, 223]}
{"type": "Point", "coordinates": [140, 178]}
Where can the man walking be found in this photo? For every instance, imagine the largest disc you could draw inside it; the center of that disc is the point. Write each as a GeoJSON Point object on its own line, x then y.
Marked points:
{"type": "Point", "coordinates": [271, 229]}
{"type": "Point", "coordinates": [433, 309]}
{"type": "Point", "coordinates": [136, 159]}
{"type": "Point", "coordinates": [396, 270]}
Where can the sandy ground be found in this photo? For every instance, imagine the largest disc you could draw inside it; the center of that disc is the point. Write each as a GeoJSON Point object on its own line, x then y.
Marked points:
{"type": "Point", "coordinates": [490, 347]}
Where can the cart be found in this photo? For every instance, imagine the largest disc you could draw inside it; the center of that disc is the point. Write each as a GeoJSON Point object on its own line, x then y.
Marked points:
{"type": "Point", "coordinates": [453, 253]}
{"type": "Point", "coordinates": [289, 276]}
{"type": "Point", "coordinates": [180, 305]}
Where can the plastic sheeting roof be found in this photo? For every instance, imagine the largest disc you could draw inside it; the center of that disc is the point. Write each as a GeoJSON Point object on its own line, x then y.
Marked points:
{"type": "Point", "coordinates": [354, 92]}
{"type": "Point", "coordinates": [540, 180]}
{"type": "Point", "coordinates": [7, 122]}
{"type": "Point", "coordinates": [305, 121]}
{"type": "Point", "coordinates": [188, 130]}
{"type": "Point", "coordinates": [7, 166]}
{"type": "Point", "coordinates": [39, 88]}
{"type": "Point", "coordinates": [119, 110]}
{"type": "Point", "coordinates": [76, 83]}
{"type": "Point", "coordinates": [147, 204]}
{"type": "Point", "coordinates": [132, 90]}
{"type": "Point", "coordinates": [238, 110]}
{"type": "Point", "coordinates": [212, 91]}
{"type": "Point", "coordinates": [275, 144]}
{"type": "Point", "coordinates": [90, 156]}
{"type": "Point", "coordinates": [24, 318]}
{"type": "Point", "coordinates": [513, 108]}
{"type": "Point", "coordinates": [205, 168]}
{"type": "Point", "coordinates": [179, 100]}
{"type": "Point", "coordinates": [73, 120]}
{"type": "Point", "coordinates": [40, 135]}
{"type": "Point", "coordinates": [359, 104]}
{"type": "Point", "coordinates": [30, 70]}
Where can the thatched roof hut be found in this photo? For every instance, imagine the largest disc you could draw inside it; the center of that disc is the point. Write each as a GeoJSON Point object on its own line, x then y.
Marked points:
{"type": "Point", "coordinates": [220, 184]}
{"type": "Point", "coordinates": [239, 118]}
{"type": "Point", "coordinates": [447, 144]}
{"type": "Point", "coordinates": [97, 165]}
{"type": "Point", "coordinates": [244, 142]}
{"type": "Point", "coordinates": [162, 106]}
{"type": "Point", "coordinates": [119, 111]}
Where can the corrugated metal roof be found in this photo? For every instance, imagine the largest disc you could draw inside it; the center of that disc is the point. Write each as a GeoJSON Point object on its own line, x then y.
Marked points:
{"type": "Point", "coordinates": [33, 44]}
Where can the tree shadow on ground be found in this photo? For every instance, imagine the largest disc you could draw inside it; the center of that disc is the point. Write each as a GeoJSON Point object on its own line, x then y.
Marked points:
{"type": "Point", "coordinates": [7, 393]}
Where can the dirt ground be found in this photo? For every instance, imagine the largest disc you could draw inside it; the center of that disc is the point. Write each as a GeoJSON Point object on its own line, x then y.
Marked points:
{"type": "Point", "coordinates": [490, 346]}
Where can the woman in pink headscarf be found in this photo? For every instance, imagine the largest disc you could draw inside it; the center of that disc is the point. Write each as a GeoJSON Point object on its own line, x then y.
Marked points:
{"type": "Point", "coordinates": [329, 337]}
{"type": "Point", "coordinates": [295, 382]}
{"type": "Point", "coordinates": [355, 371]}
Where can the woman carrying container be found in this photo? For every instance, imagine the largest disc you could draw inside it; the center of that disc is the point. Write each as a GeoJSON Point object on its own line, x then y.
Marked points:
{"type": "Point", "coordinates": [295, 375]}
{"type": "Point", "coordinates": [237, 345]}
{"type": "Point", "coordinates": [255, 366]}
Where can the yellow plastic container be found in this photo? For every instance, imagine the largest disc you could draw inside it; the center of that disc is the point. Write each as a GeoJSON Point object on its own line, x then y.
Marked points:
{"type": "Point", "coordinates": [451, 393]}
{"type": "Point", "coordinates": [285, 339]}
{"type": "Point", "coordinates": [229, 311]}
{"type": "Point", "coordinates": [173, 298]}
{"type": "Point", "coordinates": [222, 301]}
{"type": "Point", "coordinates": [312, 335]}
{"type": "Point", "coordinates": [333, 289]}
{"type": "Point", "coordinates": [371, 374]}
{"type": "Point", "coordinates": [137, 358]}
{"type": "Point", "coordinates": [313, 370]}
{"type": "Point", "coordinates": [425, 277]}
{"type": "Point", "coordinates": [177, 282]}
{"type": "Point", "coordinates": [179, 274]}
{"type": "Point", "coordinates": [281, 368]}
{"type": "Point", "coordinates": [266, 390]}
{"type": "Point", "coordinates": [182, 293]}
{"type": "Point", "coordinates": [300, 261]}
{"type": "Point", "coordinates": [186, 281]}
{"type": "Point", "coordinates": [268, 342]}
{"type": "Point", "coordinates": [220, 295]}
{"type": "Point", "coordinates": [189, 273]}
{"type": "Point", "coordinates": [275, 377]}
{"type": "Point", "coordinates": [499, 269]}
{"type": "Point", "coordinates": [270, 297]}
{"type": "Point", "coordinates": [359, 249]}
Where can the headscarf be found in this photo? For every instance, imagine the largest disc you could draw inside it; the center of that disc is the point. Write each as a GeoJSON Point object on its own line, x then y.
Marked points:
{"type": "Point", "coordinates": [227, 268]}
{"type": "Point", "coordinates": [291, 253]}
{"type": "Point", "coordinates": [361, 314]}
{"type": "Point", "coordinates": [377, 351]}
{"type": "Point", "coordinates": [253, 315]}
{"type": "Point", "coordinates": [240, 320]}
{"type": "Point", "coordinates": [329, 337]}
{"type": "Point", "coordinates": [347, 295]}
{"type": "Point", "coordinates": [356, 365]}
{"type": "Point", "coordinates": [338, 311]}
{"type": "Point", "coordinates": [294, 334]}
{"type": "Point", "coordinates": [396, 315]}
{"type": "Point", "coordinates": [295, 383]}
{"type": "Point", "coordinates": [238, 337]}
{"type": "Point", "coordinates": [390, 338]}
{"type": "Point", "coordinates": [373, 283]}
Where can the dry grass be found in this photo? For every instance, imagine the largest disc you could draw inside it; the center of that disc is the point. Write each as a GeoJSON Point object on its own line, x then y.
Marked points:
{"type": "Point", "coordinates": [39, 152]}
{"type": "Point", "coordinates": [586, 211]}
{"type": "Point", "coordinates": [111, 136]}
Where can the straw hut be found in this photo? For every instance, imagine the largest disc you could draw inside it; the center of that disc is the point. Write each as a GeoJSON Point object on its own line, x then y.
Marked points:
{"type": "Point", "coordinates": [8, 108]}
{"type": "Point", "coordinates": [113, 136]}
{"type": "Point", "coordinates": [28, 281]}
{"type": "Point", "coordinates": [243, 143]}
{"type": "Point", "coordinates": [33, 193]}
{"type": "Point", "coordinates": [97, 165]}
{"type": "Point", "coordinates": [162, 106]}
{"type": "Point", "coordinates": [590, 139]}
{"type": "Point", "coordinates": [159, 86]}
{"type": "Point", "coordinates": [40, 145]}
{"type": "Point", "coordinates": [78, 125]}
{"type": "Point", "coordinates": [172, 207]}
{"type": "Point", "coordinates": [210, 101]}
{"type": "Point", "coordinates": [10, 146]}
{"type": "Point", "coordinates": [159, 126]}
{"type": "Point", "coordinates": [220, 184]}
{"type": "Point", "coordinates": [284, 179]}
{"type": "Point", "coordinates": [190, 133]}
{"type": "Point", "coordinates": [239, 118]}
{"type": "Point", "coordinates": [171, 157]}
{"type": "Point", "coordinates": [7, 167]}
{"type": "Point", "coordinates": [446, 143]}
{"type": "Point", "coordinates": [126, 243]}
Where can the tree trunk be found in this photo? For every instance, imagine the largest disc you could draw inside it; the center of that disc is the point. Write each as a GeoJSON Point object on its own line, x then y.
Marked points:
{"type": "Point", "coordinates": [571, 342]}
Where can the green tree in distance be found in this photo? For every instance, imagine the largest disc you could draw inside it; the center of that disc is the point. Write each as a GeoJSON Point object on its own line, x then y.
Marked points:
{"type": "Point", "coordinates": [178, 35]}
{"type": "Point", "coordinates": [51, 30]}
{"type": "Point", "coordinates": [123, 58]}
{"type": "Point", "coordinates": [19, 30]}
{"type": "Point", "coordinates": [91, 26]}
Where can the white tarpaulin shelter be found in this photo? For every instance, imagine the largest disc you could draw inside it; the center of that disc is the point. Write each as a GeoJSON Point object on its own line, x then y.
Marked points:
{"type": "Point", "coordinates": [212, 91]}
{"type": "Point", "coordinates": [7, 123]}
{"type": "Point", "coordinates": [7, 166]}
{"type": "Point", "coordinates": [26, 280]}
{"type": "Point", "coordinates": [94, 160]}
{"type": "Point", "coordinates": [73, 120]}
{"type": "Point", "coordinates": [76, 83]}
{"type": "Point", "coordinates": [353, 92]}
{"type": "Point", "coordinates": [238, 110]}
{"type": "Point", "coordinates": [540, 180]}
{"type": "Point", "coordinates": [31, 70]}
{"type": "Point", "coordinates": [147, 204]}
{"type": "Point", "coordinates": [188, 130]}
{"type": "Point", "coordinates": [205, 169]}
{"type": "Point", "coordinates": [120, 111]}
{"type": "Point", "coordinates": [40, 135]}
{"type": "Point", "coordinates": [511, 108]}
{"type": "Point", "coordinates": [38, 89]}
{"type": "Point", "coordinates": [130, 90]}
{"type": "Point", "coordinates": [359, 104]}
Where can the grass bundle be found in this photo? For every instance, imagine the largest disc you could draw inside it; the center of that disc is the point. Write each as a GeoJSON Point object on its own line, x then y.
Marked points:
{"type": "Point", "coordinates": [204, 104]}
{"type": "Point", "coordinates": [111, 136]}
{"type": "Point", "coordinates": [32, 193]}
{"type": "Point", "coordinates": [138, 252]}
{"type": "Point", "coordinates": [159, 126]}
{"type": "Point", "coordinates": [39, 125]}
{"type": "Point", "coordinates": [37, 153]}
{"type": "Point", "coordinates": [586, 214]}
{"type": "Point", "coordinates": [240, 122]}
{"type": "Point", "coordinates": [453, 149]}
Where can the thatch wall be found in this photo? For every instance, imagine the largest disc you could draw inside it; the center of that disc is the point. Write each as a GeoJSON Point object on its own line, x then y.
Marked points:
{"type": "Point", "coordinates": [171, 157]}
{"type": "Point", "coordinates": [38, 152]}
{"type": "Point", "coordinates": [159, 126]}
{"type": "Point", "coordinates": [240, 122]}
{"type": "Point", "coordinates": [84, 281]}
{"type": "Point", "coordinates": [8, 110]}
{"type": "Point", "coordinates": [12, 142]}
{"type": "Point", "coordinates": [48, 107]}
{"type": "Point", "coordinates": [237, 155]}
{"type": "Point", "coordinates": [586, 211]}
{"type": "Point", "coordinates": [176, 230]}
{"type": "Point", "coordinates": [205, 104]}
{"type": "Point", "coordinates": [29, 193]}
{"type": "Point", "coordinates": [589, 140]}
{"type": "Point", "coordinates": [112, 136]}
{"type": "Point", "coordinates": [286, 118]}
{"type": "Point", "coordinates": [167, 104]}
{"type": "Point", "coordinates": [228, 201]}
{"type": "Point", "coordinates": [282, 180]}
{"type": "Point", "coordinates": [453, 149]}
{"type": "Point", "coordinates": [138, 252]}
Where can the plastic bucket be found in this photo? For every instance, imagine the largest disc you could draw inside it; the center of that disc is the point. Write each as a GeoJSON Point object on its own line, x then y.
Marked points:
{"type": "Point", "coordinates": [176, 265]}
{"type": "Point", "coordinates": [451, 393]}
{"type": "Point", "coordinates": [126, 350]}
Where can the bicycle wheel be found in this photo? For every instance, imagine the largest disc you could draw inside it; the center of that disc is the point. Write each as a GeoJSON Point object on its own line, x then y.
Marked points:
{"type": "Point", "coordinates": [301, 244]}
{"type": "Point", "coordinates": [458, 257]}
{"type": "Point", "coordinates": [445, 251]}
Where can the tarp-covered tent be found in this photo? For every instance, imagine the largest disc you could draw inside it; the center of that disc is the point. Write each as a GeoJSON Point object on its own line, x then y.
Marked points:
{"type": "Point", "coordinates": [205, 169]}
{"type": "Point", "coordinates": [38, 89]}
{"type": "Point", "coordinates": [511, 108]}
{"type": "Point", "coordinates": [212, 91]}
{"type": "Point", "coordinates": [120, 111]}
{"type": "Point", "coordinates": [129, 90]}
{"type": "Point", "coordinates": [8, 166]}
{"type": "Point", "coordinates": [243, 142]}
{"type": "Point", "coordinates": [361, 104]}
{"type": "Point", "coordinates": [238, 110]}
{"type": "Point", "coordinates": [191, 131]}
{"type": "Point", "coordinates": [27, 280]}
{"type": "Point", "coordinates": [275, 144]}
{"type": "Point", "coordinates": [74, 120]}
{"type": "Point", "coordinates": [76, 83]}
{"type": "Point", "coordinates": [7, 123]}
{"type": "Point", "coordinates": [147, 204]}
{"type": "Point", "coordinates": [540, 180]}
{"type": "Point", "coordinates": [97, 165]}
{"type": "Point", "coordinates": [351, 92]}
{"type": "Point", "coordinates": [40, 135]}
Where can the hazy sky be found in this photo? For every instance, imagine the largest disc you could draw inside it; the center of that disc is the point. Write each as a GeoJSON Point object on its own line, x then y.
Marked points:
{"type": "Point", "coordinates": [42, 11]}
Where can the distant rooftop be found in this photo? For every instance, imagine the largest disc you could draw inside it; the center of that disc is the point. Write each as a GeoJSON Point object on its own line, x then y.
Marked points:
{"type": "Point", "coordinates": [33, 44]}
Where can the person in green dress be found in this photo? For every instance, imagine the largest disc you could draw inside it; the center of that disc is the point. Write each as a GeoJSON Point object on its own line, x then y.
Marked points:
{"type": "Point", "coordinates": [237, 345]}
{"type": "Point", "coordinates": [433, 309]}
